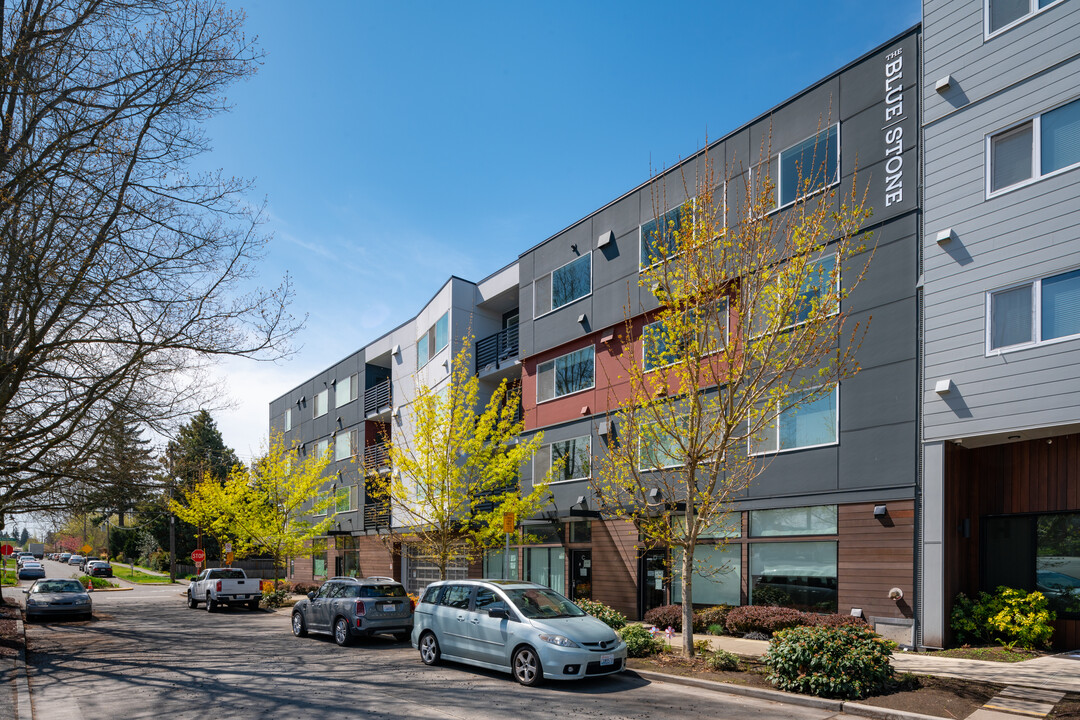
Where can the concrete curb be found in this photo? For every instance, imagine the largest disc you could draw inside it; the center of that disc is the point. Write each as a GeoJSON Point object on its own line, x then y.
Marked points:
{"type": "Point", "coordinates": [850, 708]}
{"type": "Point", "coordinates": [24, 710]}
{"type": "Point", "coordinates": [115, 589]}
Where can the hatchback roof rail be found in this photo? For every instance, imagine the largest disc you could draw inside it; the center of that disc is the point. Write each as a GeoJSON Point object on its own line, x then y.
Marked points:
{"type": "Point", "coordinates": [381, 578]}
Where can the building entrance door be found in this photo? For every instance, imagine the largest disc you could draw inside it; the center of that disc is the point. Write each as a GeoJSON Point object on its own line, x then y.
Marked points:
{"type": "Point", "coordinates": [581, 574]}
{"type": "Point", "coordinates": [652, 586]}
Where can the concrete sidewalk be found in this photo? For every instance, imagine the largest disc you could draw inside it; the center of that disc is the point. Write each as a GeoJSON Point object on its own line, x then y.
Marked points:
{"type": "Point", "coordinates": [1054, 672]}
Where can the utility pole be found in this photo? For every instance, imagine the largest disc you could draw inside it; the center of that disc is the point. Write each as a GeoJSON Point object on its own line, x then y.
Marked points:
{"type": "Point", "coordinates": [172, 547]}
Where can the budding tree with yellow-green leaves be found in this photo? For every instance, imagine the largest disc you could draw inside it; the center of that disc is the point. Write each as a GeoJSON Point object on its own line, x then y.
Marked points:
{"type": "Point", "coordinates": [749, 325]}
{"type": "Point", "coordinates": [456, 468]}
{"type": "Point", "coordinates": [266, 508]}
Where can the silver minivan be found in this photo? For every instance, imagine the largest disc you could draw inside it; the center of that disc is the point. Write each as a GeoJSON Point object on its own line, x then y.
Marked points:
{"type": "Point", "coordinates": [522, 628]}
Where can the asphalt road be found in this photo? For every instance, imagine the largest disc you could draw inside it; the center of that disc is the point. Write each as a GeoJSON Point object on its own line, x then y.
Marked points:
{"type": "Point", "coordinates": [146, 655]}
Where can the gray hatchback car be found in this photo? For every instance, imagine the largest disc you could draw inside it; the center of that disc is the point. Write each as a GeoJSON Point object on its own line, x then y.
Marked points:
{"type": "Point", "coordinates": [348, 607]}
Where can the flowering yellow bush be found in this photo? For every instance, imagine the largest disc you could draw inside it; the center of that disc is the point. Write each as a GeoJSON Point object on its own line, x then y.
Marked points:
{"type": "Point", "coordinates": [1024, 618]}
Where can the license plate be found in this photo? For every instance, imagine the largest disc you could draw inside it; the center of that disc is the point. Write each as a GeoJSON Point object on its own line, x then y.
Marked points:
{"type": "Point", "coordinates": [607, 660]}
{"type": "Point", "coordinates": [389, 607]}
{"type": "Point", "coordinates": [242, 597]}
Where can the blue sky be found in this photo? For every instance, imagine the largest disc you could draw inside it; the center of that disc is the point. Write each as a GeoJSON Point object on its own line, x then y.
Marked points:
{"type": "Point", "coordinates": [399, 143]}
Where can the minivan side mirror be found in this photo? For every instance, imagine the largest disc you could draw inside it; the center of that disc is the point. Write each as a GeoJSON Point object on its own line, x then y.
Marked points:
{"type": "Point", "coordinates": [498, 610]}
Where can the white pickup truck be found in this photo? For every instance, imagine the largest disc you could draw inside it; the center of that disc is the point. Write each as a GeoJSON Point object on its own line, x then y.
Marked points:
{"type": "Point", "coordinates": [224, 586]}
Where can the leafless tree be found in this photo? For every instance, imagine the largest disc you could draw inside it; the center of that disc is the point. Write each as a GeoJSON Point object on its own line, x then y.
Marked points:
{"type": "Point", "coordinates": [122, 272]}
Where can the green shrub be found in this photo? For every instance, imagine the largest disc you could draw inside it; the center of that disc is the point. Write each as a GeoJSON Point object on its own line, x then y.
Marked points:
{"type": "Point", "coordinates": [275, 598]}
{"type": "Point", "coordinates": [831, 620]}
{"type": "Point", "coordinates": [702, 647]}
{"type": "Point", "coordinates": [722, 660]}
{"type": "Point", "coordinates": [664, 617]}
{"type": "Point", "coordinates": [639, 641]}
{"type": "Point", "coordinates": [717, 615]}
{"type": "Point", "coordinates": [607, 615]}
{"type": "Point", "coordinates": [716, 629]}
{"type": "Point", "coordinates": [1024, 618]}
{"type": "Point", "coordinates": [1010, 616]}
{"type": "Point", "coordinates": [764, 619]}
{"type": "Point", "coordinates": [846, 662]}
{"type": "Point", "coordinates": [98, 583]}
{"type": "Point", "coordinates": [303, 588]}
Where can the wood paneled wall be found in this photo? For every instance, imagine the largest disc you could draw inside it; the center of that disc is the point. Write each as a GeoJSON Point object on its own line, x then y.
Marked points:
{"type": "Point", "coordinates": [875, 555]}
{"type": "Point", "coordinates": [1022, 477]}
{"type": "Point", "coordinates": [615, 565]}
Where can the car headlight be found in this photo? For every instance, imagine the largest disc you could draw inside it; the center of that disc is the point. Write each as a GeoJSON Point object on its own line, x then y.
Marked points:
{"type": "Point", "coordinates": [32, 601]}
{"type": "Point", "coordinates": [559, 640]}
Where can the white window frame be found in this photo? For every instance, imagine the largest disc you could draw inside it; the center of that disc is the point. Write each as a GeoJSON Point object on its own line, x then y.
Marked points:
{"type": "Point", "coordinates": [353, 389]}
{"type": "Point", "coordinates": [354, 437]}
{"type": "Point", "coordinates": [823, 188]}
{"type": "Point", "coordinates": [724, 342]}
{"type": "Point", "coordinates": [641, 237]}
{"type": "Point", "coordinates": [1036, 152]}
{"type": "Point", "coordinates": [554, 361]}
{"type": "Point", "coordinates": [434, 335]}
{"type": "Point", "coordinates": [349, 495]}
{"type": "Point", "coordinates": [836, 428]}
{"type": "Point", "coordinates": [544, 471]}
{"type": "Point", "coordinates": [550, 279]}
{"type": "Point", "coordinates": [321, 408]}
{"type": "Point", "coordinates": [321, 449]}
{"type": "Point", "coordinates": [1036, 316]}
{"type": "Point", "coordinates": [641, 455]}
{"type": "Point", "coordinates": [1033, 10]}
{"type": "Point", "coordinates": [288, 419]}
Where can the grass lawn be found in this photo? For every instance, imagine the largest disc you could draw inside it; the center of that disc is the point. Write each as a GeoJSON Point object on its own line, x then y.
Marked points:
{"type": "Point", "coordinates": [993, 653]}
{"type": "Point", "coordinates": [124, 572]}
{"type": "Point", "coordinates": [9, 578]}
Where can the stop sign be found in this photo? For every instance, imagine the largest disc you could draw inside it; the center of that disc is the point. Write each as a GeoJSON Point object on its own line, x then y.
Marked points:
{"type": "Point", "coordinates": [198, 555]}
{"type": "Point", "coordinates": [6, 550]}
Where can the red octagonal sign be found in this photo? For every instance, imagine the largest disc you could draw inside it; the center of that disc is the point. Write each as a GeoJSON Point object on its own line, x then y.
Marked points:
{"type": "Point", "coordinates": [198, 555]}
{"type": "Point", "coordinates": [6, 550]}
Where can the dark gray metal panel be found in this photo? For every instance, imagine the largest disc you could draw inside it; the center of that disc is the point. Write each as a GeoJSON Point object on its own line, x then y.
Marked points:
{"type": "Point", "coordinates": [799, 471]}
{"type": "Point", "coordinates": [892, 271]}
{"type": "Point", "coordinates": [878, 456]}
{"type": "Point", "coordinates": [878, 396]}
{"type": "Point", "coordinates": [891, 336]}
{"type": "Point", "coordinates": [863, 85]}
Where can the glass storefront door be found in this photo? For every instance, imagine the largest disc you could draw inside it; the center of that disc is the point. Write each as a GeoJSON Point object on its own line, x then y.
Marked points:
{"type": "Point", "coordinates": [581, 569]}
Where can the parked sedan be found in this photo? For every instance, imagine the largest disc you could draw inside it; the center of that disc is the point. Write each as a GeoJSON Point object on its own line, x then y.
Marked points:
{"type": "Point", "coordinates": [522, 628]}
{"type": "Point", "coordinates": [99, 568]}
{"type": "Point", "coordinates": [75, 560]}
{"type": "Point", "coordinates": [57, 597]}
{"type": "Point", "coordinates": [31, 571]}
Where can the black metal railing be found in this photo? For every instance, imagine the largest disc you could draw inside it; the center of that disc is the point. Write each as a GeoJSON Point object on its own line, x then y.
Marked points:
{"type": "Point", "coordinates": [378, 397]}
{"type": "Point", "coordinates": [377, 457]}
{"type": "Point", "coordinates": [497, 349]}
{"type": "Point", "coordinates": [377, 515]}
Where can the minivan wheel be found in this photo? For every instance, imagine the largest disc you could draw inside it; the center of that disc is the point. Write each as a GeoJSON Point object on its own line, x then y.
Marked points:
{"type": "Point", "coordinates": [526, 665]}
{"type": "Point", "coordinates": [341, 632]}
{"type": "Point", "coordinates": [429, 649]}
{"type": "Point", "coordinates": [299, 627]}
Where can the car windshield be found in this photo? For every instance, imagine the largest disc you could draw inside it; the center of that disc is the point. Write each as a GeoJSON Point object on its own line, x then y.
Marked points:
{"type": "Point", "coordinates": [541, 604]}
{"type": "Point", "coordinates": [54, 586]}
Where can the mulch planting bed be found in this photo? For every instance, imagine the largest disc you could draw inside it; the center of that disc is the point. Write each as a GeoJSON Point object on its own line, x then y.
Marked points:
{"type": "Point", "coordinates": [943, 697]}
{"type": "Point", "coordinates": [10, 641]}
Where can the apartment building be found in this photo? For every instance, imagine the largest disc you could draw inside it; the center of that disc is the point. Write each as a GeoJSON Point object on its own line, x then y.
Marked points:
{"type": "Point", "coordinates": [1000, 386]}
{"type": "Point", "coordinates": [831, 521]}
{"type": "Point", "coordinates": [361, 403]}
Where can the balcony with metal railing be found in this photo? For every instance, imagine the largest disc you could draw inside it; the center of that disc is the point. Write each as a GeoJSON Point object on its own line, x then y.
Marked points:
{"type": "Point", "coordinates": [378, 399]}
{"type": "Point", "coordinates": [377, 458]}
{"type": "Point", "coordinates": [377, 515]}
{"type": "Point", "coordinates": [497, 352]}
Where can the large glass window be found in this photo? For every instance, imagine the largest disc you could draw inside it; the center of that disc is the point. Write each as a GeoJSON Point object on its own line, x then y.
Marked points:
{"type": "Point", "coordinates": [433, 341]}
{"type": "Point", "coordinates": [814, 520]}
{"type": "Point", "coordinates": [493, 564]}
{"type": "Point", "coordinates": [288, 419]}
{"type": "Point", "coordinates": [665, 342]}
{"type": "Point", "coordinates": [322, 447]}
{"type": "Point", "coordinates": [1039, 311]}
{"type": "Point", "coordinates": [346, 390]}
{"type": "Point", "coordinates": [321, 402]}
{"type": "Point", "coordinates": [546, 566]}
{"type": "Point", "coordinates": [573, 454]}
{"type": "Point", "coordinates": [567, 374]}
{"type": "Point", "coordinates": [807, 423]}
{"type": "Point", "coordinates": [658, 237]}
{"type": "Point", "coordinates": [794, 574]}
{"type": "Point", "coordinates": [810, 165]}
{"type": "Point", "coordinates": [345, 444]}
{"type": "Point", "coordinates": [658, 449]}
{"type": "Point", "coordinates": [564, 285]}
{"type": "Point", "coordinates": [318, 558]}
{"type": "Point", "coordinates": [716, 575]}
{"type": "Point", "coordinates": [1047, 143]}
{"type": "Point", "coordinates": [343, 500]}
{"type": "Point", "coordinates": [1035, 552]}
{"type": "Point", "coordinates": [1003, 13]}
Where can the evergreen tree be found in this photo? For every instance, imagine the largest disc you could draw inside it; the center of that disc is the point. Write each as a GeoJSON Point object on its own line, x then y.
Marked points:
{"type": "Point", "coordinates": [24, 537]}
{"type": "Point", "coordinates": [126, 466]}
{"type": "Point", "coordinates": [199, 449]}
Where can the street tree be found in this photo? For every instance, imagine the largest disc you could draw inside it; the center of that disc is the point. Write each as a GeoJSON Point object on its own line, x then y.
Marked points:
{"type": "Point", "coordinates": [123, 273]}
{"type": "Point", "coordinates": [749, 325]}
{"type": "Point", "coordinates": [456, 468]}
{"type": "Point", "coordinates": [127, 472]}
{"type": "Point", "coordinates": [215, 507]}
{"type": "Point", "coordinates": [275, 498]}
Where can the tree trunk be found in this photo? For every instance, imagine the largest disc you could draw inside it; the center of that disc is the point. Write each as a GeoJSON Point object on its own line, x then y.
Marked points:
{"type": "Point", "coordinates": [688, 600]}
